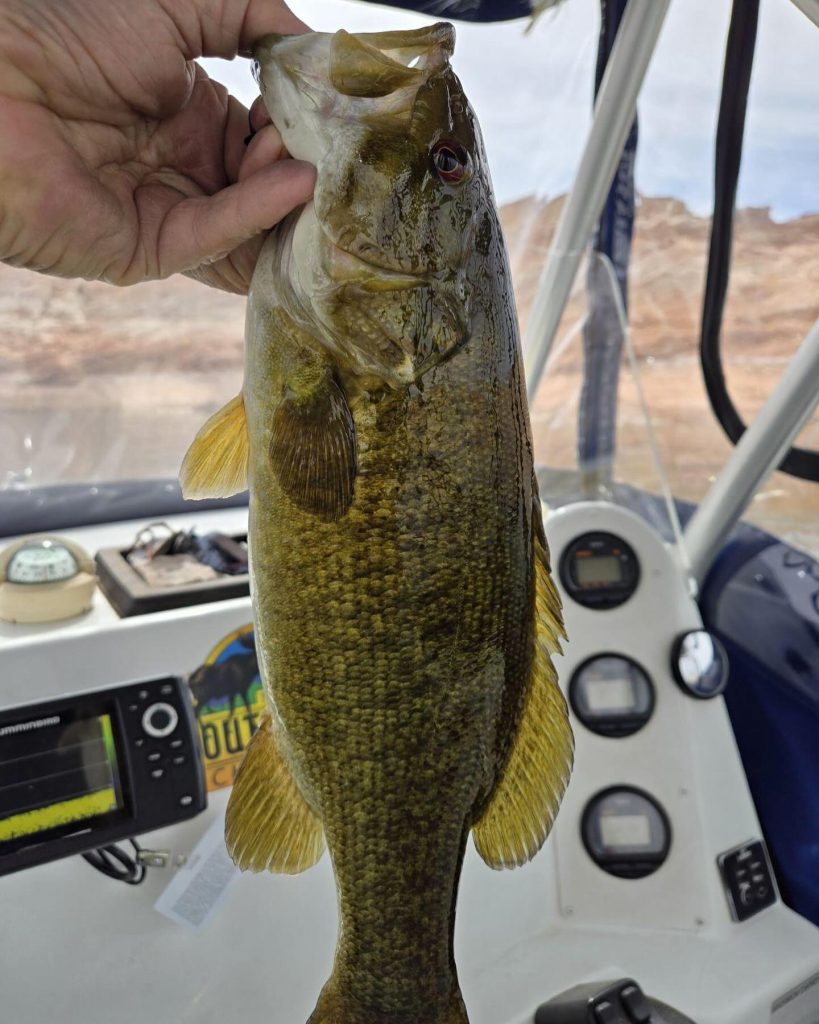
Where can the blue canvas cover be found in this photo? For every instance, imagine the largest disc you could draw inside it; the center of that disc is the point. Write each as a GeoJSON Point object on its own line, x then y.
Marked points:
{"type": "Point", "coordinates": [762, 600]}
{"type": "Point", "coordinates": [466, 10]}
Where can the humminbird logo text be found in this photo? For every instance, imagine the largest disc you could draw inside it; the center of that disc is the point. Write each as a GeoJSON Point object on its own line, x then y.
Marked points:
{"type": "Point", "coordinates": [39, 723]}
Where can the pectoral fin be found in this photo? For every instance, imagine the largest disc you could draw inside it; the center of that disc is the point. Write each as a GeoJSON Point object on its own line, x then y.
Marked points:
{"type": "Point", "coordinates": [313, 447]}
{"type": "Point", "coordinates": [269, 825]}
{"type": "Point", "coordinates": [216, 463]}
{"type": "Point", "coordinates": [524, 804]}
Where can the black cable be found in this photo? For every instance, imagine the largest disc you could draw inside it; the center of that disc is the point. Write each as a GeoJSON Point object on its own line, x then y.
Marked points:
{"type": "Point", "coordinates": [117, 864]}
{"type": "Point", "coordinates": [736, 79]}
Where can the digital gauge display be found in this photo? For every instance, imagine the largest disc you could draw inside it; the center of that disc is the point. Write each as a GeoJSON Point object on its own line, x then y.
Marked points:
{"type": "Point", "coordinates": [599, 570]}
{"type": "Point", "coordinates": [56, 772]}
{"type": "Point", "coordinates": [626, 832]}
{"type": "Point", "coordinates": [611, 695]}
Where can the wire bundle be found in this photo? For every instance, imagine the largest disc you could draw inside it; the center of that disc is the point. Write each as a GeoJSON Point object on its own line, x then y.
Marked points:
{"type": "Point", "coordinates": [114, 862]}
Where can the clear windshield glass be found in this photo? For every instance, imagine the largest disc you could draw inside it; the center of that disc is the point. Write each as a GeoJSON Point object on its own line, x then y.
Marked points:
{"type": "Point", "coordinates": [101, 384]}
{"type": "Point", "coordinates": [771, 302]}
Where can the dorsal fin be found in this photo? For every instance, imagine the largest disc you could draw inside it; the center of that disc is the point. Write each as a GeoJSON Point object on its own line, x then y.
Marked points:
{"type": "Point", "coordinates": [524, 805]}
{"type": "Point", "coordinates": [215, 465]}
{"type": "Point", "coordinates": [269, 826]}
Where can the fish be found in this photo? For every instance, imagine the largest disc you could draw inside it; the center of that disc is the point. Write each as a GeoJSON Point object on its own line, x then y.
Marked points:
{"type": "Point", "coordinates": [404, 610]}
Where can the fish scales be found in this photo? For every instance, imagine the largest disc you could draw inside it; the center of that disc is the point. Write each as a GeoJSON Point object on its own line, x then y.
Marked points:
{"type": "Point", "coordinates": [363, 690]}
{"type": "Point", "coordinates": [402, 604]}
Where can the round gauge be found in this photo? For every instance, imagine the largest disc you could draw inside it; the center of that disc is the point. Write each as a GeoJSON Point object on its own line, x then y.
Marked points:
{"type": "Point", "coordinates": [700, 664]}
{"type": "Point", "coordinates": [626, 832]}
{"type": "Point", "coordinates": [599, 570]}
{"type": "Point", "coordinates": [43, 579]}
{"type": "Point", "coordinates": [41, 561]}
{"type": "Point", "coordinates": [611, 695]}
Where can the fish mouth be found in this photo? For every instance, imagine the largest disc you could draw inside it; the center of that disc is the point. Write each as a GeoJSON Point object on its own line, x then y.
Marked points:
{"type": "Point", "coordinates": [370, 275]}
{"type": "Point", "coordinates": [365, 64]}
{"type": "Point", "coordinates": [374, 65]}
{"type": "Point", "coordinates": [316, 77]}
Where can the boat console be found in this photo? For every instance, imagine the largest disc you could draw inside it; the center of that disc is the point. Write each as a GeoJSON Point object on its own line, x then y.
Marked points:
{"type": "Point", "coordinates": [653, 895]}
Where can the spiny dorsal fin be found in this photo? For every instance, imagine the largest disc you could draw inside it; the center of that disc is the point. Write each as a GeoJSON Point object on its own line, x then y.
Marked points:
{"type": "Point", "coordinates": [216, 463]}
{"type": "Point", "coordinates": [313, 448]}
{"type": "Point", "coordinates": [269, 826]}
{"type": "Point", "coordinates": [525, 802]}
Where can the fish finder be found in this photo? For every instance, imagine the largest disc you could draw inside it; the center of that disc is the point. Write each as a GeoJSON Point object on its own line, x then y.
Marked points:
{"type": "Point", "coordinates": [90, 769]}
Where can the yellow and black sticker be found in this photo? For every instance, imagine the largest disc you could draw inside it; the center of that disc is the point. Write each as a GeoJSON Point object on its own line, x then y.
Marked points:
{"type": "Point", "coordinates": [229, 699]}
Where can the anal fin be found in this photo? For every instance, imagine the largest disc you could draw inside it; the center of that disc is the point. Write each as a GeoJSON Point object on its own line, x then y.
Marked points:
{"type": "Point", "coordinates": [216, 463]}
{"type": "Point", "coordinates": [269, 826]}
{"type": "Point", "coordinates": [523, 807]}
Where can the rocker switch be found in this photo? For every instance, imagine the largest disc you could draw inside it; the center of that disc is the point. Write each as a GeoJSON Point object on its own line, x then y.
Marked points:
{"type": "Point", "coordinates": [607, 1013]}
{"type": "Point", "coordinates": [636, 1004]}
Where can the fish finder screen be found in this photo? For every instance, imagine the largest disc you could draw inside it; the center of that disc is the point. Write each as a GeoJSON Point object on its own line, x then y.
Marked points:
{"type": "Point", "coordinates": [597, 569]}
{"type": "Point", "coordinates": [54, 773]}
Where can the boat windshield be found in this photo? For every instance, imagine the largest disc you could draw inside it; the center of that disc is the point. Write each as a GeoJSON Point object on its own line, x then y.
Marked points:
{"type": "Point", "coordinates": [100, 384]}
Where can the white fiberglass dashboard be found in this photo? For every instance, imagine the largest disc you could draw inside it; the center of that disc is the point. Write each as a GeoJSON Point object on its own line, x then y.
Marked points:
{"type": "Point", "coordinates": [641, 877]}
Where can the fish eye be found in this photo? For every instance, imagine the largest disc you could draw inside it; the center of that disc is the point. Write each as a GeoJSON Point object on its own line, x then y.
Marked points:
{"type": "Point", "coordinates": [451, 162]}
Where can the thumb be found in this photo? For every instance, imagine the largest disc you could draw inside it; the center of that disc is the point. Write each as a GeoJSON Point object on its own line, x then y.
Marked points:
{"type": "Point", "coordinates": [264, 16]}
{"type": "Point", "coordinates": [203, 229]}
{"type": "Point", "coordinates": [225, 28]}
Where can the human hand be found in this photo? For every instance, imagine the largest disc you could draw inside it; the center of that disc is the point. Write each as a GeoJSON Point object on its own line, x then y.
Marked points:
{"type": "Point", "coordinates": [120, 160]}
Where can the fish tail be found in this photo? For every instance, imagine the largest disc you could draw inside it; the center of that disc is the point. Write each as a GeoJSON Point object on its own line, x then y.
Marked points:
{"type": "Point", "coordinates": [336, 1007]}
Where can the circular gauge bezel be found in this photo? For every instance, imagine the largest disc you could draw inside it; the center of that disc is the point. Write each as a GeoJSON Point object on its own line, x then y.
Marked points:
{"type": "Point", "coordinates": [57, 549]}
{"type": "Point", "coordinates": [600, 597]}
{"type": "Point", "coordinates": [689, 689]}
{"type": "Point", "coordinates": [632, 866]}
{"type": "Point", "coordinates": [621, 725]}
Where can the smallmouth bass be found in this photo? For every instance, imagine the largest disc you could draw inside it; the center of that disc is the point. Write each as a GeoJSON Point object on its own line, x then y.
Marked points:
{"type": "Point", "coordinates": [403, 605]}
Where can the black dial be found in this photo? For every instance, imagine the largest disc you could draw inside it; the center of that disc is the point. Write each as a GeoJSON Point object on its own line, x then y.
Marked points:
{"type": "Point", "coordinates": [612, 695]}
{"type": "Point", "coordinates": [626, 832]}
{"type": "Point", "coordinates": [599, 570]}
{"type": "Point", "coordinates": [160, 720]}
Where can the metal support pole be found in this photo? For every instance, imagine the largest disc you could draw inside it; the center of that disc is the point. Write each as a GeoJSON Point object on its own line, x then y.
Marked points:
{"type": "Point", "coordinates": [613, 114]}
{"type": "Point", "coordinates": [810, 8]}
{"type": "Point", "coordinates": [758, 453]}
